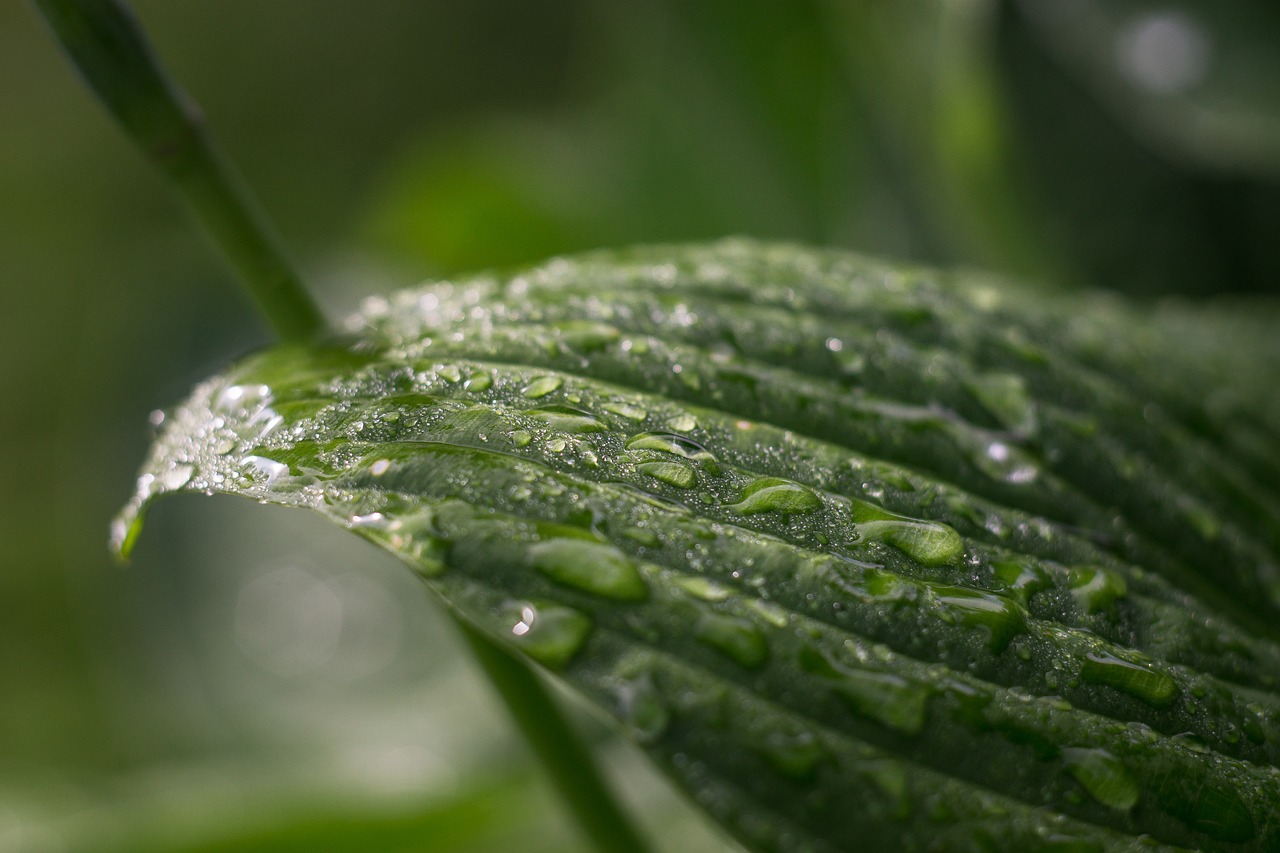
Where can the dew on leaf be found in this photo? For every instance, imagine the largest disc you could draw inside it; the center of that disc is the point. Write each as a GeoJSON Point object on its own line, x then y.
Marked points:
{"type": "Point", "coordinates": [478, 382]}
{"type": "Point", "coordinates": [1095, 588]}
{"type": "Point", "coordinates": [542, 386]}
{"type": "Point", "coordinates": [550, 633]}
{"type": "Point", "coordinates": [1104, 776]}
{"type": "Point", "coordinates": [672, 473]}
{"type": "Point", "coordinates": [733, 637]}
{"type": "Point", "coordinates": [703, 588]}
{"type": "Point", "coordinates": [795, 754]}
{"type": "Point", "coordinates": [889, 699]}
{"type": "Point", "coordinates": [567, 419]}
{"type": "Point", "coordinates": [592, 567]}
{"type": "Point", "coordinates": [1153, 687]}
{"type": "Point", "coordinates": [775, 495]}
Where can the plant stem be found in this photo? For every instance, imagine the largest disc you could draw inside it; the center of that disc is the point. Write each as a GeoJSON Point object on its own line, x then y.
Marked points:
{"type": "Point", "coordinates": [105, 42]}
{"type": "Point", "coordinates": [572, 769]}
{"type": "Point", "coordinates": [107, 45]}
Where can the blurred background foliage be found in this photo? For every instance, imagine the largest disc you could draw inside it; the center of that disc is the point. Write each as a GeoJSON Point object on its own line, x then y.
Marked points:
{"type": "Point", "coordinates": [256, 682]}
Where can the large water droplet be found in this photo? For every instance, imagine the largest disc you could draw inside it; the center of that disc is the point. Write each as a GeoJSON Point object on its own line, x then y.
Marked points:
{"type": "Point", "coordinates": [585, 335]}
{"type": "Point", "coordinates": [642, 709]}
{"type": "Point", "coordinates": [549, 633]}
{"type": "Point", "coordinates": [795, 754]}
{"type": "Point", "coordinates": [1022, 580]}
{"type": "Point", "coordinates": [1003, 618]}
{"type": "Point", "coordinates": [1153, 687]}
{"type": "Point", "coordinates": [734, 637]}
{"type": "Point", "coordinates": [676, 445]}
{"type": "Point", "coordinates": [888, 699]}
{"type": "Point", "coordinates": [928, 543]}
{"type": "Point", "coordinates": [672, 473]}
{"type": "Point", "coordinates": [1005, 396]}
{"type": "Point", "coordinates": [542, 386]}
{"type": "Point", "coordinates": [775, 495]}
{"type": "Point", "coordinates": [1103, 775]}
{"type": "Point", "coordinates": [592, 567]}
{"type": "Point", "coordinates": [1096, 589]}
{"type": "Point", "coordinates": [567, 419]}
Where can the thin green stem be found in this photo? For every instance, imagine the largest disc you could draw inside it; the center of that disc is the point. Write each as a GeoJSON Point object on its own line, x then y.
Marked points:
{"type": "Point", "coordinates": [105, 42]}
{"type": "Point", "coordinates": [566, 759]}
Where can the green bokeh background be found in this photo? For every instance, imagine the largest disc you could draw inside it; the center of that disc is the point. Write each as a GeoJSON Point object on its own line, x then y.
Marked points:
{"type": "Point", "coordinates": [256, 682]}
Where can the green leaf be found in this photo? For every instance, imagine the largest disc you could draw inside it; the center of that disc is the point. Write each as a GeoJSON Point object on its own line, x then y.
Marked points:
{"type": "Point", "coordinates": [864, 557]}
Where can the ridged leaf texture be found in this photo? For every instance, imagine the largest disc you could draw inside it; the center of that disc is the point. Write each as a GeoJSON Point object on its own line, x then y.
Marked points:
{"type": "Point", "coordinates": [863, 556]}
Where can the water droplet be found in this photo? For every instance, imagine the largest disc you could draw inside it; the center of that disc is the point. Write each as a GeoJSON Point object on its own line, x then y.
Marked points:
{"type": "Point", "coordinates": [550, 634]}
{"type": "Point", "coordinates": [592, 567]}
{"type": "Point", "coordinates": [683, 422]}
{"type": "Point", "coordinates": [1106, 779]}
{"type": "Point", "coordinates": [929, 543]}
{"type": "Point", "coordinates": [478, 382]}
{"type": "Point", "coordinates": [676, 445]}
{"type": "Point", "coordinates": [380, 467]}
{"type": "Point", "coordinates": [773, 614]}
{"type": "Point", "coordinates": [703, 588]}
{"type": "Point", "coordinates": [642, 709]}
{"type": "Point", "coordinates": [449, 373]}
{"type": "Point", "coordinates": [268, 468]}
{"type": "Point", "coordinates": [1022, 580]}
{"type": "Point", "coordinates": [1155, 688]}
{"type": "Point", "coordinates": [1095, 588]}
{"type": "Point", "coordinates": [521, 438]}
{"type": "Point", "coordinates": [626, 410]}
{"type": "Point", "coordinates": [412, 536]}
{"type": "Point", "coordinates": [734, 637]}
{"type": "Point", "coordinates": [672, 473]}
{"type": "Point", "coordinates": [773, 494]}
{"type": "Point", "coordinates": [1003, 618]}
{"type": "Point", "coordinates": [542, 386]}
{"type": "Point", "coordinates": [795, 754]}
{"type": "Point", "coordinates": [647, 538]}
{"type": "Point", "coordinates": [1005, 396]}
{"type": "Point", "coordinates": [567, 419]}
{"type": "Point", "coordinates": [178, 475]}
{"type": "Point", "coordinates": [884, 697]}
{"type": "Point", "coordinates": [585, 335]}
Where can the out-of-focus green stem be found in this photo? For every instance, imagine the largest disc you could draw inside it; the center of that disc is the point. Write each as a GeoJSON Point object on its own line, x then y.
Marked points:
{"type": "Point", "coordinates": [566, 759]}
{"type": "Point", "coordinates": [106, 44]}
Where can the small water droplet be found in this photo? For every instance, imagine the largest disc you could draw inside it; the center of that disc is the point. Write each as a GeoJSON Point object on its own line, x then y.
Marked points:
{"type": "Point", "coordinates": [775, 495]}
{"type": "Point", "coordinates": [549, 633]}
{"type": "Point", "coordinates": [592, 567]}
{"type": "Point", "coordinates": [542, 386]}
{"type": "Point", "coordinates": [521, 438]}
{"type": "Point", "coordinates": [734, 637]}
{"type": "Point", "coordinates": [1103, 775]}
{"type": "Point", "coordinates": [1153, 687]}
{"type": "Point", "coordinates": [773, 614]}
{"type": "Point", "coordinates": [672, 473]}
{"type": "Point", "coordinates": [380, 467]}
{"type": "Point", "coordinates": [449, 373]}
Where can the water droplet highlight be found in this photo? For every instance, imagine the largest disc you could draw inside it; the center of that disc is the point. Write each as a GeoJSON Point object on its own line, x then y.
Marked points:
{"type": "Point", "coordinates": [671, 473]}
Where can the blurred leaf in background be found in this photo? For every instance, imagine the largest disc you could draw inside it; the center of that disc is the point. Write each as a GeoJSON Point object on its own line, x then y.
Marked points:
{"type": "Point", "coordinates": [233, 690]}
